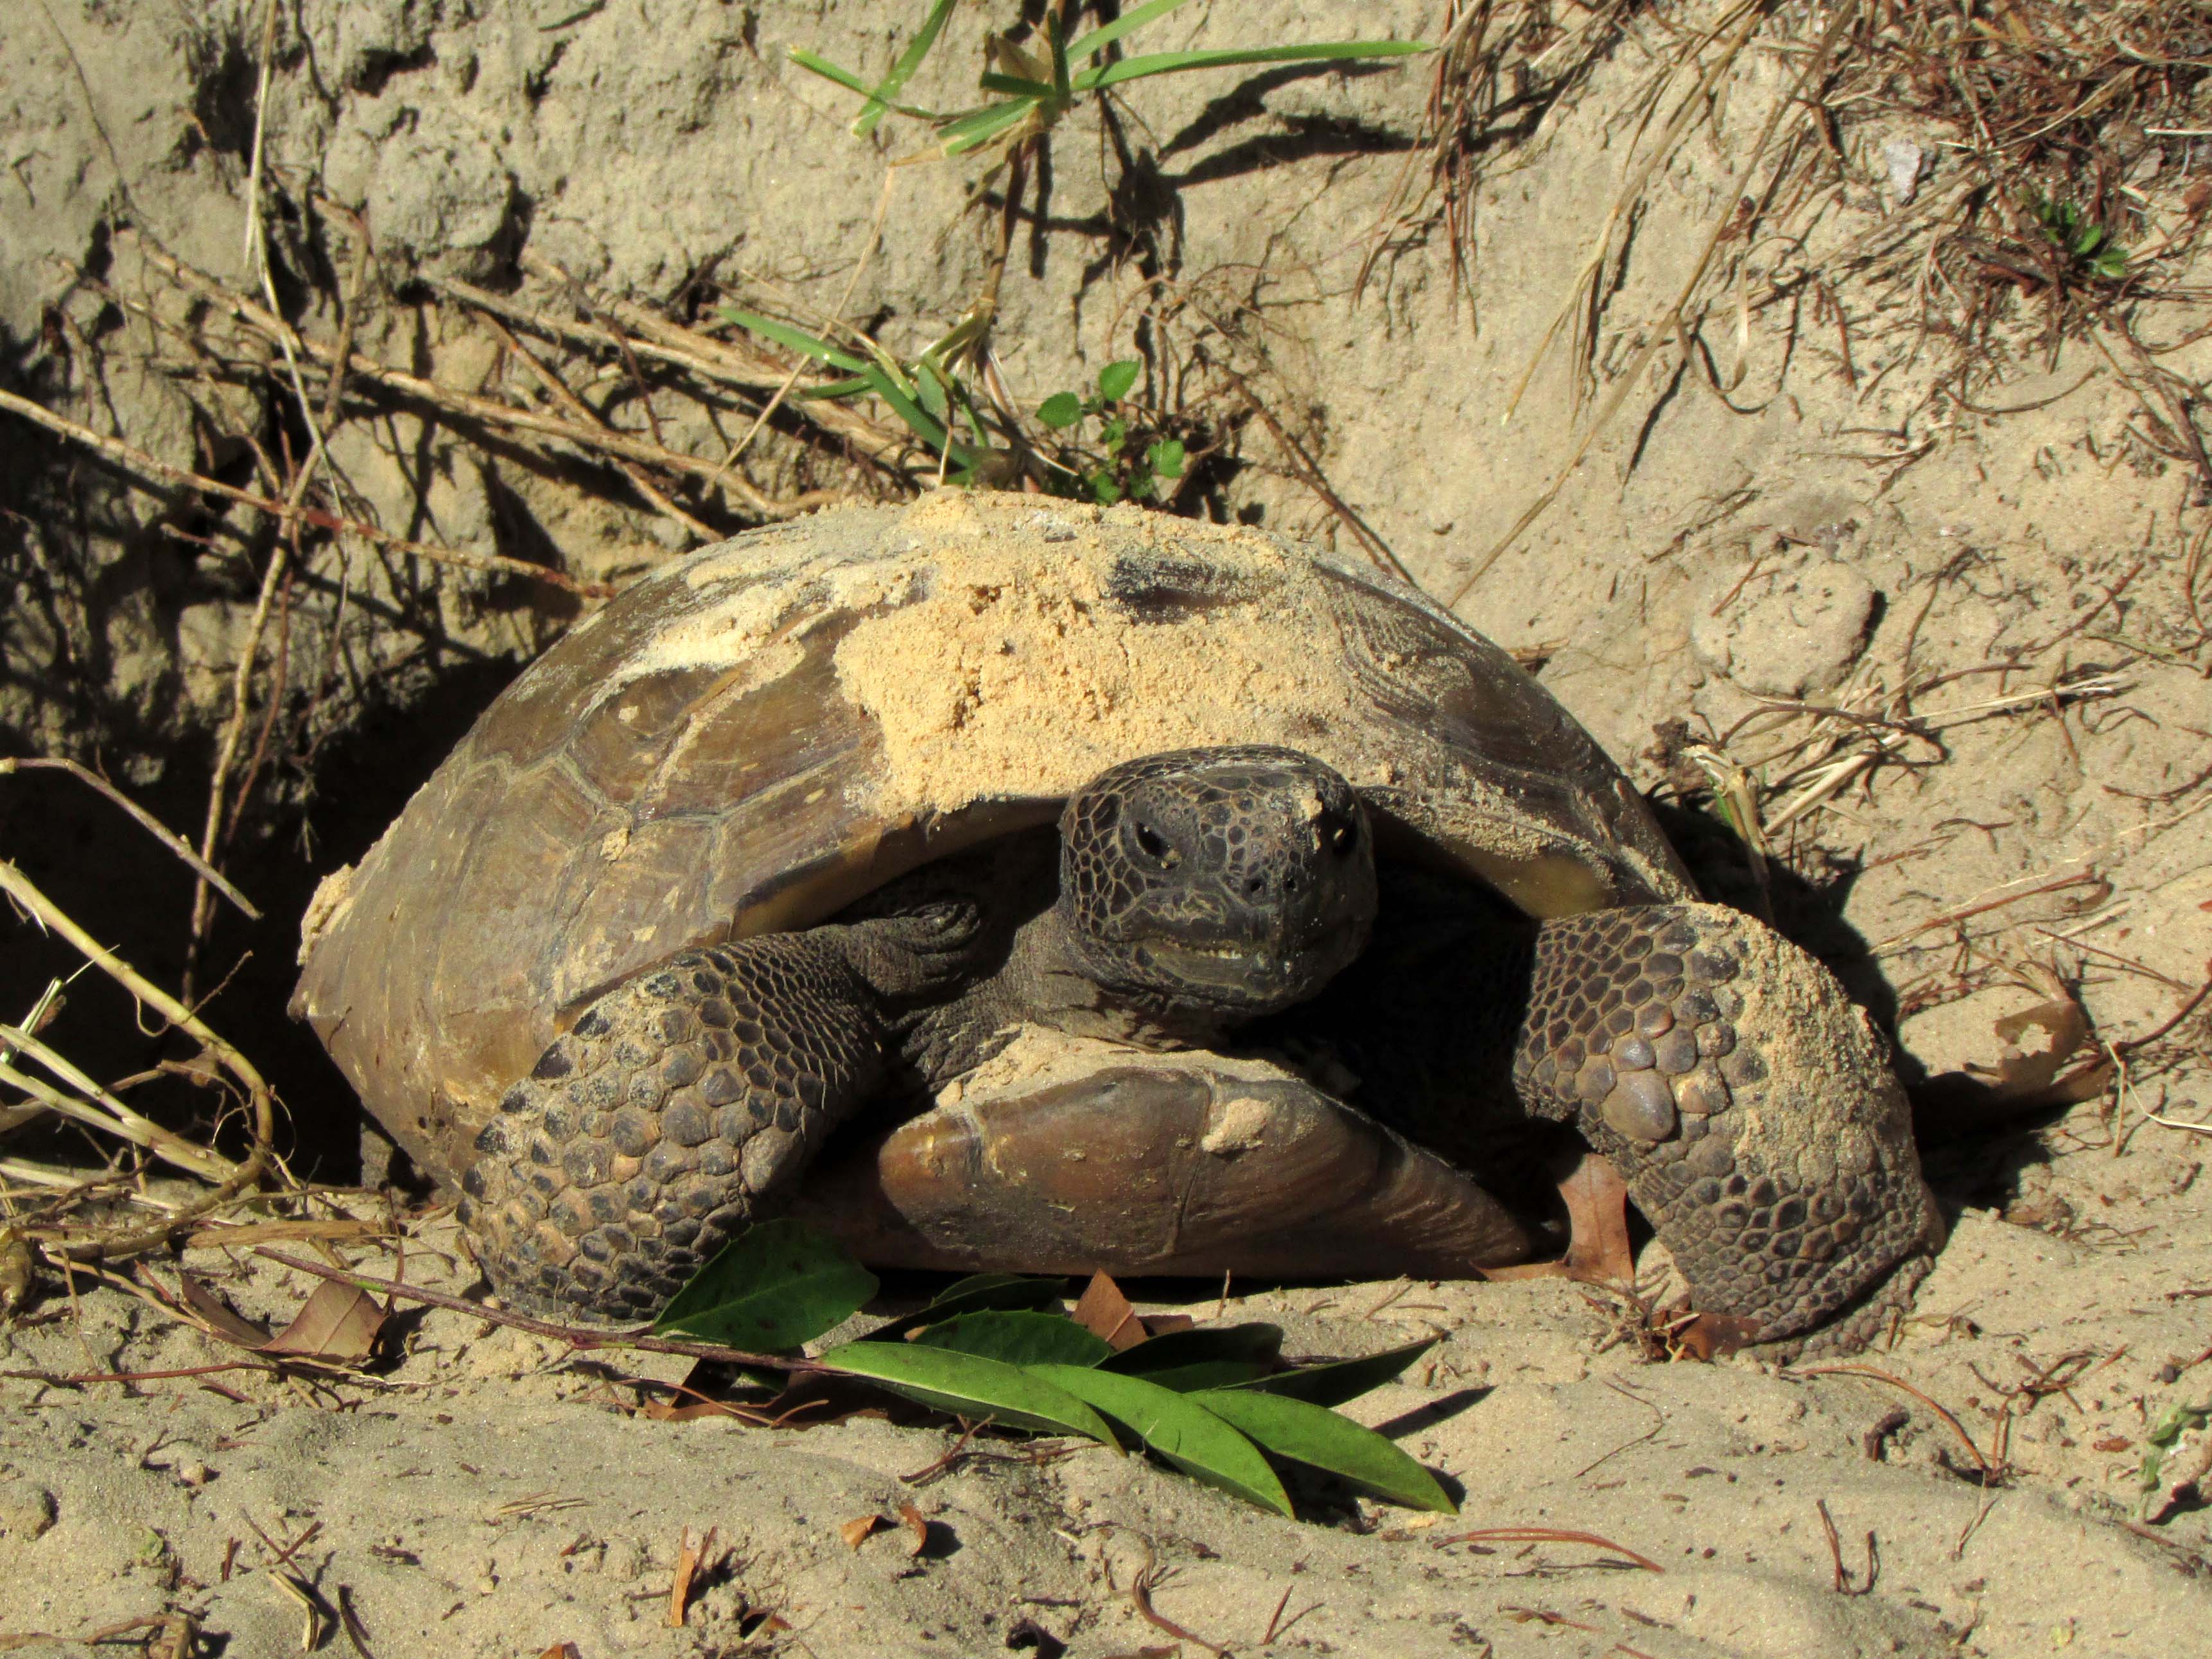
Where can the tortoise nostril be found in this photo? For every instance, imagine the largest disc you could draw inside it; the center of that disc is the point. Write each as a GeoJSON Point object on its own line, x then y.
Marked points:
{"type": "Point", "coordinates": [1254, 886]}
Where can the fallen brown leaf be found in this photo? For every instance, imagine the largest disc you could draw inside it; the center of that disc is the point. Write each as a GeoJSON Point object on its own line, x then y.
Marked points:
{"type": "Point", "coordinates": [2035, 1046]}
{"type": "Point", "coordinates": [221, 1317]}
{"type": "Point", "coordinates": [1106, 1314]}
{"type": "Point", "coordinates": [338, 1325]}
{"type": "Point", "coordinates": [857, 1531]}
{"type": "Point", "coordinates": [562, 1651]}
{"type": "Point", "coordinates": [687, 1557]}
{"type": "Point", "coordinates": [917, 1527]}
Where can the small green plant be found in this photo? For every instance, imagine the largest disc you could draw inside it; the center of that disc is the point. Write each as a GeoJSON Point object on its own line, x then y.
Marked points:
{"type": "Point", "coordinates": [948, 389]}
{"type": "Point", "coordinates": [1127, 471]}
{"type": "Point", "coordinates": [1216, 1402]}
{"type": "Point", "coordinates": [1035, 88]}
{"type": "Point", "coordinates": [929, 393]}
{"type": "Point", "coordinates": [2082, 241]}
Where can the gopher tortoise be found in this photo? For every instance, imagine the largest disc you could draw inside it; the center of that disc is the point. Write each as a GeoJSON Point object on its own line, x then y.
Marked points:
{"type": "Point", "coordinates": [1020, 885]}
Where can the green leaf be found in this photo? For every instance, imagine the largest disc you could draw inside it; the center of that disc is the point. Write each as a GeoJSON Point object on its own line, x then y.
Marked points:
{"type": "Point", "coordinates": [1306, 1434]}
{"type": "Point", "coordinates": [972, 1295]}
{"type": "Point", "coordinates": [1128, 22]}
{"type": "Point", "coordinates": [1170, 62]}
{"type": "Point", "coordinates": [969, 1385]}
{"type": "Point", "coordinates": [1207, 1374]}
{"type": "Point", "coordinates": [846, 388]}
{"type": "Point", "coordinates": [1017, 86]}
{"type": "Point", "coordinates": [1116, 380]}
{"type": "Point", "coordinates": [829, 71]}
{"type": "Point", "coordinates": [1199, 1443]}
{"type": "Point", "coordinates": [1347, 1379]}
{"type": "Point", "coordinates": [879, 100]}
{"type": "Point", "coordinates": [1166, 458]}
{"type": "Point", "coordinates": [978, 127]}
{"type": "Point", "coordinates": [772, 1287]}
{"type": "Point", "coordinates": [1019, 1338]}
{"type": "Point", "coordinates": [1254, 1343]}
{"type": "Point", "coordinates": [1060, 411]}
{"type": "Point", "coordinates": [935, 395]}
{"type": "Point", "coordinates": [797, 339]}
{"type": "Point", "coordinates": [1104, 489]}
{"type": "Point", "coordinates": [1113, 433]}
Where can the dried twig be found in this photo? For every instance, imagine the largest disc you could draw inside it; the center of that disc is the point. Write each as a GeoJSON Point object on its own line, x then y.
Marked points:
{"type": "Point", "coordinates": [1141, 1598]}
{"type": "Point", "coordinates": [146, 466]}
{"type": "Point", "coordinates": [1545, 1535]}
{"type": "Point", "coordinates": [145, 820]}
{"type": "Point", "coordinates": [1990, 1472]}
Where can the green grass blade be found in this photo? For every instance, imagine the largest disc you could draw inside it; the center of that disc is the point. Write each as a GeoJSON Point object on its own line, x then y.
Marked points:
{"type": "Point", "coordinates": [1062, 88]}
{"type": "Point", "coordinates": [1018, 1338]}
{"type": "Point", "coordinates": [772, 1287]}
{"type": "Point", "coordinates": [978, 127]}
{"type": "Point", "coordinates": [1015, 85]}
{"type": "Point", "coordinates": [1347, 1379]}
{"type": "Point", "coordinates": [829, 71]}
{"type": "Point", "coordinates": [833, 389]}
{"type": "Point", "coordinates": [797, 339]}
{"type": "Point", "coordinates": [880, 102]}
{"type": "Point", "coordinates": [1128, 22]}
{"type": "Point", "coordinates": [917, 417]}
{"type": "Point", "coordinates": [969, 1385]}
{"type": "Point", "coordinates": [1197, 1442]}
{"type": "Point", "coordinates": [1314, 1435]}
{"type": "Point", "coordinates": [1170, 62]}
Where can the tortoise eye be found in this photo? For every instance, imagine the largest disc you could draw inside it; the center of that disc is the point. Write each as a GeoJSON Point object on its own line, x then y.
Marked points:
{"type": "Point", "coordinates": [1156, 847]}
{"type": "Point", "coordinates": [1341, 836]}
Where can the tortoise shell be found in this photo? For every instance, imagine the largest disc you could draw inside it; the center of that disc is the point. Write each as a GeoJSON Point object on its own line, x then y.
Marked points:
{"type": "Point", "coordinates": [755, 735]}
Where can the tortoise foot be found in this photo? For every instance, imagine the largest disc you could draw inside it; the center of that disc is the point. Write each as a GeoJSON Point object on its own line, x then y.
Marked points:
{"type": "Point", "coordinates": [1746, 1101]}
{"type": "Point", "coordinates": [656, 1128]}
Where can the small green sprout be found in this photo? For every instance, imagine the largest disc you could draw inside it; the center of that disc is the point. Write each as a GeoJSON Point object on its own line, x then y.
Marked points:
{"type": "Point", "coordinates": [2081, 239]}
{"type": "Point", "coordinates": [1120, 476]}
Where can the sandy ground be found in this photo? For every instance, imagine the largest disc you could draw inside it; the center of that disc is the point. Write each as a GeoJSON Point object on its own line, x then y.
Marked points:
{"type": "Point", "coordinates": [1836, 533]}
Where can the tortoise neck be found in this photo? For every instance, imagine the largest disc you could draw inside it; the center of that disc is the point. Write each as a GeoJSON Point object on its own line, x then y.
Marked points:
{"type": "Point", "coordinates": [1039, 975]}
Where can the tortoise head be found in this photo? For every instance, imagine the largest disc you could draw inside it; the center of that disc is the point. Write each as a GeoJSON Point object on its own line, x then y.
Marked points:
{"type": "Point", "coordinates": [1233, 882]}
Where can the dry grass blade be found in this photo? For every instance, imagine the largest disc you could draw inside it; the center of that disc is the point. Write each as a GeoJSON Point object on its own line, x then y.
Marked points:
{"type": "Point", "coordinates": [83, 1241]}
{"type": "Point", "coordinates": [588, 440]}
{"type": "Point", "coordinates": [145, 820]}
{"type": "Point", "coordinates": [1666, 327]}
{"type": "Point", "coordinates": [1546, 1535]}
{"type": "Point", "coordinates": [97, 1109]}
{"type": "Point", "coordinates": [1141, 1598]}
{"type": "Point", "coordinates": [1990, 1472]}
{"type": "Point", "coordinates": [148, 467]}
{"type": "Point", "coordinates": [688, 1556]}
